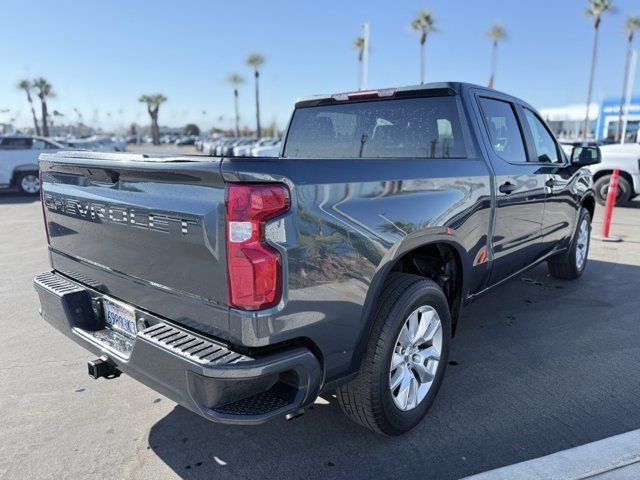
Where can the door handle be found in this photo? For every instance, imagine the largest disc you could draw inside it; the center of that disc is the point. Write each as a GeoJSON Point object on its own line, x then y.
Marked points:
{"type": "Point", "coordinates": [508, 188]}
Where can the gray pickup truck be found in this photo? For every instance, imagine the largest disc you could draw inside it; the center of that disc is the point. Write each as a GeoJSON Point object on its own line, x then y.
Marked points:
{"type": "Point", "coordinates": [243, 288]}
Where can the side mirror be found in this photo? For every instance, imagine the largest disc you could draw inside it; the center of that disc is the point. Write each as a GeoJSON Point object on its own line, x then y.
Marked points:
{"type": "Point", "coordinates": [585, 155]}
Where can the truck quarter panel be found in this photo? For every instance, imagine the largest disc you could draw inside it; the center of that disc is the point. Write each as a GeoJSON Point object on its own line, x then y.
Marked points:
{"type": "Point", "coordinates": [353, 219]}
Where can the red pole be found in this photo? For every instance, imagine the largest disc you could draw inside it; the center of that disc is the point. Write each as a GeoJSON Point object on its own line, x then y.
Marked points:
{"type": "Point", "coordinates": [611, 200]}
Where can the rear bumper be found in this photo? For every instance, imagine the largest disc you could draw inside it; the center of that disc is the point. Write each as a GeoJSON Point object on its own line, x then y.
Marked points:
{"type": "Point", "coordinates": [201, 374]}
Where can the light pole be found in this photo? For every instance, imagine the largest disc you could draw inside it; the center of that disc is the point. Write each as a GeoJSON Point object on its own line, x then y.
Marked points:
{"type": "Point", "coordinates": [630, 82]}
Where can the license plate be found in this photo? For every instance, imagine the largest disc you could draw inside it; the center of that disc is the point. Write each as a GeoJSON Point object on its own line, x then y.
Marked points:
{"type": "Point", "coordinates": [120, 316]}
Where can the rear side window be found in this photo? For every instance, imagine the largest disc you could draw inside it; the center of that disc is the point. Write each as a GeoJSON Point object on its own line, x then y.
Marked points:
{"type": "Point", "coordinates": [503, 129]}
{"type": "Point", "coordinates": [546, 149]}
{"type": "Point", "coordinates": [15, 143]}
{"type": "Point", "coordinates": [427, 127]}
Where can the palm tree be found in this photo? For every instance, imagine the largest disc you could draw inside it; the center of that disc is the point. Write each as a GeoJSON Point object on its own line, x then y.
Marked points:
{"type": "Point", "coordinates": [496, 33]}
{"type": "Point", "coordinates": [26, 86]}
{"type": "Point", "coordinates": [358, 45]}
{"type": "Point", "coordinates": [596, 9]}
{"type": "Point", "coordinates": [235, 80]}
{"type": "Point", "coordinates": [630, 26]}
{"type": "Point", "coordinates": [45, 90]}
{"type": "Point", "coordinates": [424, 25]}
{"type": "Point", "coordinates": [153, 105]}
{"type": "Point", "coordinates": [255, 61]}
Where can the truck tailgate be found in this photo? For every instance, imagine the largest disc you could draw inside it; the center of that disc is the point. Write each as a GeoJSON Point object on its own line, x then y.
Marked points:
{"type": "Point", "coordinates": [148, 231]}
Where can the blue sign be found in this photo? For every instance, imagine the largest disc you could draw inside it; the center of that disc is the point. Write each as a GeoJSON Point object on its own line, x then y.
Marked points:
{"type": "Point", "coordinates": [608, 119]}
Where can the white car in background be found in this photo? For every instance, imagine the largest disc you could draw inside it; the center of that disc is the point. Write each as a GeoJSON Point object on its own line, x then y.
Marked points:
{"type": "Point", "coordinates": [97, 144]}
{"type": "Point", "coordinates": [268, 151]}
{"type": "Point", "coordinates": [19, 161]}
{"type": "Point", "coordinates": [209, 146]}
{"type": "Point", "coordinates": [626, 158]}
{"type": "Point", "coordinates": [245, 150]}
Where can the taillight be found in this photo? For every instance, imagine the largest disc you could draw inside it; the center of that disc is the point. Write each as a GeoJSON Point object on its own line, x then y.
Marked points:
{"type": "Point", "coordinates": [44, 217]}
{"type": "Point", "coordinates": [254, 267]}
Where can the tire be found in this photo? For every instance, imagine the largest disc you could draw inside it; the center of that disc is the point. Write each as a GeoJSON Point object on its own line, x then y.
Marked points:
{"type": "Point", "coordinates": [368, 399]}
{"type": "Point", "coordinates": [624, 194]}
{"type": "Point", "coordinates": [571, 264]}
{"type": "Point", "coordinates": [28, 183]}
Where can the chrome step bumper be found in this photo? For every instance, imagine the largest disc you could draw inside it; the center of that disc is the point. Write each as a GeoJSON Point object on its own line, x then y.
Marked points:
{"type": "Point", "coordinates": [204, 375]}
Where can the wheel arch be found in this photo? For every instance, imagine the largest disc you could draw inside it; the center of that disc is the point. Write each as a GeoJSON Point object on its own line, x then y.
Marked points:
{"type": "Point", "coordinates": [589, 202]}
{"type": "Point", "coordinates": [20, 169]}
{"type": "Point", "coordinates": [451, 254]}
{"type": "Point", "coordinates": [623, 173]}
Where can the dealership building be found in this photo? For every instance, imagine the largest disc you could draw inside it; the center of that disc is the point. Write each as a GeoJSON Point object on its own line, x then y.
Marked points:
{"type": "Point", "coordinates": [568, 122]}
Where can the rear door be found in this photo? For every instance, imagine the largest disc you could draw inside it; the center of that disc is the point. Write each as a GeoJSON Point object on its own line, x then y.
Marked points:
{"type": "Point", "coordinates": [519, 186]}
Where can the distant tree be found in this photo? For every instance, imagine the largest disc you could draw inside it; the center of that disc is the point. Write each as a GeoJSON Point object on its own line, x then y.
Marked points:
{"type": "Point", "coordinates": [44, 91]}
{"type": "Point", "coordinates": [423, 24]}
{"type": "Point", "coordinates": [153, 105]}
{"type": "Point", "coordinates": [56, 113]}
{"type": "Point", "coordinates": [358, 46]}
{"type": "Point", "coordinates": [271, 130]}
{"type": "Point", "coordinates": [596, 9]}
{"type": "Point", "coordinates": [255, 61]}
{"type": "Point", "coordinates": [191, 129]}
{"type": "Point", "coordinates": [235, 80]}
{"type": "Point", "coordinates": [27, 86]}
{"type": "Point", "coordinates": [496, 33]}
{"type": "Point", "coordinates": [630, 26]}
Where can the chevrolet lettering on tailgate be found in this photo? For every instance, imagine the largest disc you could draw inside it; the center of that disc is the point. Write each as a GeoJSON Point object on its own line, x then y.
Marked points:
{"type": "Point", "coordinates": [105, 213]}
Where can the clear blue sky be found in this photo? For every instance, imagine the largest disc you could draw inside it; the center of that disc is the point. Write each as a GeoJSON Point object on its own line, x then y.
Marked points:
{"type": "Point", "coordinates": [100, 56]}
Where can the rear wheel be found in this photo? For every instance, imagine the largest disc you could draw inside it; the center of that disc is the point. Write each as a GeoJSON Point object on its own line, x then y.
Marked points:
{"type": "Point", "coordinates": [623, 194]}
{"type": "Point", "coordinates": [405, 360]}
{"type": "Point", "coordinates": [29, 183]}
{"type": "Point", "coordinates": [570, 265]}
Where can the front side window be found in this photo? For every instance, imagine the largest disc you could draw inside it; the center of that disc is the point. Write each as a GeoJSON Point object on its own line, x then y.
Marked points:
{"type": "Point", "coordinates": [545, 145]}
{"type": "Point", "coordinates": [38, 144]}
{"type": "Point", "coordinates": [503, 129]}
{"type": "Point", "coordinates": [427, 127]}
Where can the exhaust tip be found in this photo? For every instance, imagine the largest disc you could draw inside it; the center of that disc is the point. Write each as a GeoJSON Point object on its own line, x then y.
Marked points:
{"type": "Point", "coordinates": [102, 368]}
{"type": "Point", "coordinates": [295, 414]}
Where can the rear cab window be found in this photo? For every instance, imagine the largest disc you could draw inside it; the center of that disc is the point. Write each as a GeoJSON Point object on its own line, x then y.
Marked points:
{"type": "Point", "coordinates": [420, 127]}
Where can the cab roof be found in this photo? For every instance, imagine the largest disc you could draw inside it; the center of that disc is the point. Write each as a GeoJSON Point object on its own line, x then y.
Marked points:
{"type": "Point", "coordinates": [427, 89]}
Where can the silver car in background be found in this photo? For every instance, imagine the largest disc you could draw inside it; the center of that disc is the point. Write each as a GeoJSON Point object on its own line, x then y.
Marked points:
{"type": "Point", "coordinates": [272, 150]}
{"type": "Point", "coordinates": [245, 150]}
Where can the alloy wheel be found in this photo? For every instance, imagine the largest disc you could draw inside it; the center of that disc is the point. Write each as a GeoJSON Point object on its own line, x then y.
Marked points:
{"type": "Point", "coordinates": [415, 358]}
{"type": "Point", "coordinates": [582, 248]}
{"type": "Point", "coordinates": [30, 184]}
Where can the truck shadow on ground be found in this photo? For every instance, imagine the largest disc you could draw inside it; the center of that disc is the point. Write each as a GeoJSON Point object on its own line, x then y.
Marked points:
{"type": "Point", "coordinates": [631, 204]}
{"type": "Point", "coordinates": [537, 366]}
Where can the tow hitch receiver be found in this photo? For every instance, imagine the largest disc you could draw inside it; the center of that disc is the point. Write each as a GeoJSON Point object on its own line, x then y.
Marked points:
{"type": "Point", "coordinates": [102, 367]}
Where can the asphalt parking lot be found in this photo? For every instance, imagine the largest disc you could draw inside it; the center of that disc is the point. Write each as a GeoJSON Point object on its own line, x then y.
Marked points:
{"type": "Point", "coordinates": [538, 366]}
